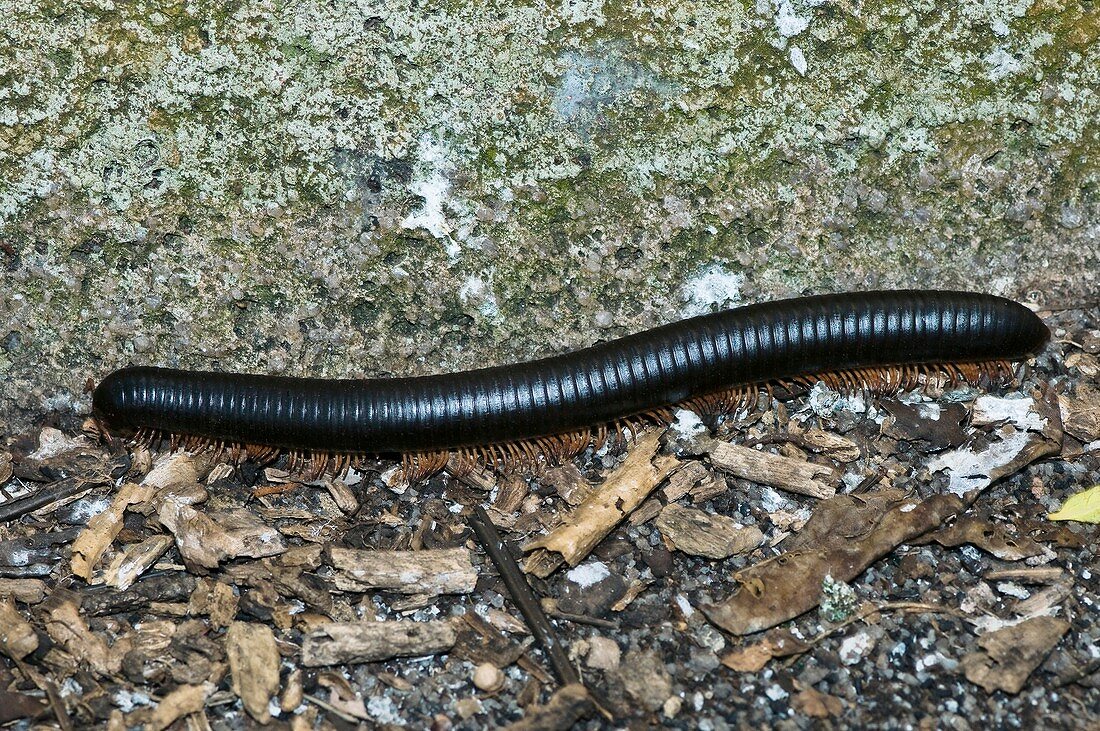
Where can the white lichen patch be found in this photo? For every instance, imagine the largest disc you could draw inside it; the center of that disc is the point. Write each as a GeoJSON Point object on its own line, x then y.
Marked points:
{"type": "Point", "coordinates": [588, 574]}
{"type": "Point", "coordinates": [710, 289]}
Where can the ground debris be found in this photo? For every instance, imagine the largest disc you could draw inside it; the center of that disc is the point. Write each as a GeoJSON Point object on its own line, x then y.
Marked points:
{"type": "Point", "coordinates": [752, 658]}
{"type": "Point", "coordinates": [845, 535]}
{"type": "Point", "coordinates": [624, 490]}
{"type": "Point", "coordinates": [427, 572]}
{"type": "Point", "coordinates": [765, 468]}
{"type": "Point", "coordinates": [354, 642]}
{"type": "Point", "coordinates": [987, 535]}
{"type": "Point", "coordinates": [254, 666]}
{"type": "Point", "coordinates": [1008, 656]}
{"type": "Point", "coordinates": [703, 534]}
{"type": "Point", "coordinates": [1022, 430]}
{"type": "Point", "coordinates": [566, 707]}
{"type": "Point", "coordinates": [124, 620]}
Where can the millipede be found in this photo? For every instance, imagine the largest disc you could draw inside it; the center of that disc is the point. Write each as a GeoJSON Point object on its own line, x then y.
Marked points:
{"type": "Point", "coordinates": [554, 408]}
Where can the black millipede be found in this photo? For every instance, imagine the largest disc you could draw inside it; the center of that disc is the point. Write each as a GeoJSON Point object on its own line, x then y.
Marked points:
{"type": "Point", "coordinates": [555, 407]}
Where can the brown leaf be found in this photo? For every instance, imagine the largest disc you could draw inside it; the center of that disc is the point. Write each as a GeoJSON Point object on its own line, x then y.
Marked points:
{"type": "Point", "coordinates": [842, 538]}
{"type": "Point", "coordinates": [753, 658]}
{"type": "Point", "coordinates": [986, 535]}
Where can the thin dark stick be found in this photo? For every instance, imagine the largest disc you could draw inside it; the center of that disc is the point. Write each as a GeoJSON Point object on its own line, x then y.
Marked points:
{"type": "Point", "coordinates": [522, 596]}
{"type": "Point", "coordinates": [52, 493]}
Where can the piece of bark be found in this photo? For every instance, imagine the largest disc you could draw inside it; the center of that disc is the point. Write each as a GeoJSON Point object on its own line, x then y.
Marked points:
{"type": "Point", "coordinates": [293, 693]}
{"type": "Point", "coordinates": [28, 591]}
{"type": "Point", "coordinates": [135, 559]}
{"type": "Point", "coordinates": [583, 528]}
{"type": "Point", "coordinates": [67, 628]}
{"type": "Point", "coordinates": [1036, 575]}
{"type": "Point", "coordinates": [644, 679]}
{"type": "Point", "coordinates": [430, 572]}
{"type": "Point", "coordinates": [340, 643]}
{"type": "Point", "coordinates": [207, 539]}
{"type": "Point", "coordinates": [163, 588]}
{"type": "Point", "coordinates": [1027, 430]}
{"type": "Point", "coordinates": [214, 599]}
{"type": "Point", "coordinates": [845, 535]}
{"type": "Point", "coordinates": [566, 707]}
{"type": "Point", "coordinates": [697, 533]}
{"type": "Point", "coordinates": [254, 666]}
{"type": "Point", "coordinates": [765, 468]}
{"type": "Point", "coordinates": [819, 441]}
{"type": "Point", "coordinates": [183, 701]}
{"type": "Point", "coordinates": [96, 538]}
{"type": "Point", "coordinates": [1008, 656]}
{"type": "Point", "coordinates": [17, 637]}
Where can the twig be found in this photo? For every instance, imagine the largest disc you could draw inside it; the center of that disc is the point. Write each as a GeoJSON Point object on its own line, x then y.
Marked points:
{"type": "Point", "coordinates": [57, 491]}
{"type": "Point", "coordinates": [522, 596]}
{"type": "Point", "coordinates": [877, 609]}
{"type": "Point", "coordinates": [583, 619]}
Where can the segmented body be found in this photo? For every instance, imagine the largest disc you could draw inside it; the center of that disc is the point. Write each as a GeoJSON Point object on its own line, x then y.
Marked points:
{"type": "Point", "coordinates": [857, 335]}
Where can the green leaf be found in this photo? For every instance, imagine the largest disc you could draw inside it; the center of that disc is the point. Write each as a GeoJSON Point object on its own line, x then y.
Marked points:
{"type": "Point", "coordinates": [1083, 507]}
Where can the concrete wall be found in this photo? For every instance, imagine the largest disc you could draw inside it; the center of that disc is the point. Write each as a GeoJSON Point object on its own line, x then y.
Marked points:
{"type": "Point", "coordinates": [365, 187]}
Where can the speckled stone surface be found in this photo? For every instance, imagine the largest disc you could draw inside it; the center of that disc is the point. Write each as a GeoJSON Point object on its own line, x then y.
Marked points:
{"type": "Point", "coordinates": [367, 187]}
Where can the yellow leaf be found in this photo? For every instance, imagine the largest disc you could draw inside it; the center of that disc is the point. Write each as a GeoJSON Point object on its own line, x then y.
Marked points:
{"type": "Point", "coordinates": [1083, 507]}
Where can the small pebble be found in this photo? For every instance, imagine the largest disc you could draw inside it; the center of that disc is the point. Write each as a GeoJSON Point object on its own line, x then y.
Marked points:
{"type": "Point", "coordinates": [487, 677]}
{"type": "Point", "coordinates": [603, 653]}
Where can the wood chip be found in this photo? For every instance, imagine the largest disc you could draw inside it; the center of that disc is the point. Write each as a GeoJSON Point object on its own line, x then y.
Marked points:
{"type": "Point", "coordinates": [1008, 656]}
{"type": "Point", "coordinates": [215, 599]}
{"type": "Point", "coordinates": [207, 539]}
{"type": "Point", "coordinates": [183, 701]}
{"type": "Point", "coordinates": [355, 642]}
{"type": "Point", "coordinates": [28, 591]}
{"type": "Point", "coordinates": [765, 468]}
{"type": "Point", "coordinates": [430, 572]}
{"type": "Point", "coordinates": [17, 636]}
{"type": "Point", "coordinates": [587, 525]}
{"type": "Point", "coordinates": [96, 537]}
{"type": "Point", "coordinates": [697, 533]}
{"type": "Point", "coordinates": [819, 441]}
{"type": "Point", "coordinates": [254, 665]}
{"type": "Point", "coordinates": [565, 708]}
{"type": "Point", "coordinates": [66, 626]}
{"type": "Point", "coordinates": [135, 559]}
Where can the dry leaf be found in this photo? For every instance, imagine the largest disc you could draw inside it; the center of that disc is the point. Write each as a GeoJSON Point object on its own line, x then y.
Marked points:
{"type": "Point", "coordinates": [843, 537]}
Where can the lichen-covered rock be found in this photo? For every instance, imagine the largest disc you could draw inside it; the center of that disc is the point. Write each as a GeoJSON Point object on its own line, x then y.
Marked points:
{"type": "Point", "coordinates": [366, 187]}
